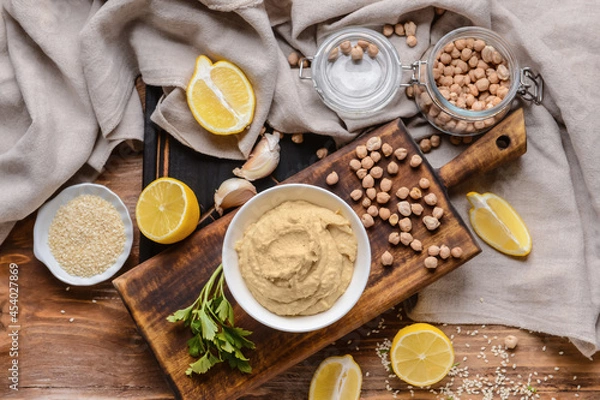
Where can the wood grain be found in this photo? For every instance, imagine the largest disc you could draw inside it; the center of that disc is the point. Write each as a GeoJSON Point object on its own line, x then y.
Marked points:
{"type": "Point", "coordinates": [103, 356]}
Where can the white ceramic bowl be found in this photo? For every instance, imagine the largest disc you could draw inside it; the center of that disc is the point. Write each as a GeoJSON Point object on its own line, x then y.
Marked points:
{"type": "Point", "coordinates": [254, 209]}
{"type": "Point", "coordinates": [45, 216]}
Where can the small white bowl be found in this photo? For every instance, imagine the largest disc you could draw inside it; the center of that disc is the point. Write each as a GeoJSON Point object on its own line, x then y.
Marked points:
{"type": "Point", "coordinates": [252, 211]}
{"type": "Point", "coordinates": [46, 215]}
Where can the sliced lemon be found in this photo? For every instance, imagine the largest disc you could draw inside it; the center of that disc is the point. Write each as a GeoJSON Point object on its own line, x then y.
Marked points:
{"type": "Point", "coordinates": [167, 211]}
{"type": "Point", "coordinates": [336, 378]}
{"type": "Point", "coordinates": [421, 354]}
{"type": "Point", "coordinates": [498, 224]}
{"type": "Point", "coordinates": [220, 97]}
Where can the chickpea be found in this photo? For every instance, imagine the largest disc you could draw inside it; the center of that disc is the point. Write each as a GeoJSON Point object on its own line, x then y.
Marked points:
{"type": "Point", "coordinates": [346, 47]}
{"type": "Point", "coordinates": [374, 143]}
{"type": "Point", "coordinates": [375, 156]}
{"type": "Point", "coordinates": [357, 53]}
{"type": "Point", "coordinates": [404, 208]}
{"type": "Point", "coordinates": [444, 252]}
{"type": "Point", "coordinates": [333, 54]}
{"type": "Point", "coordinates": [355, 164]}
{"type": "Point", "coordinates": [433, 250]}
{"type": "Point", "coordinates": [366, 202]}
{"type": "Point", "coordinates": [376, 172]}
{"type": "Point", "coordinates": [399, 29]}
{"type": "Point", "coordinates": [401, 153]}
{"type": "Point", "coordinates": [356, 194]}
{"type": "Point", "coordinates": [394, 238]}
{"type": "Point", "coordinates": [367, 162]}
{"type": "Point", "coordinates": [393, 220]}
{"type": "Point", "coordinates": [415, 193]}
{"type": "Point", "coordinates": [416, 161]}
{"type": "Point", "coordinates": [425, 145]}
{"type": "Point", "coordinates": [406, 238]}
{"type": "Point", "coordinates": [367, 220]}
{"type": "Point", "coordinates": [405, 224]}
{"type": "Point", "coordinates": [371, 193]}
{"type": "Point", "coordinates": [424, 183]}
{"type": "Point", "coordinates": [411, 40]}
{"type": "Point", "coordinates": [416, 209]}
{"type": "Point", "coordinates": [385, 185]}
{"type": "Point", "coordinates": [322, 153]}
{"type": "Point", "coordinates": [456, 252]}
{"type": "Point", "coordinates": [293, 59]}
{"type": "Point", "coordinates": [435, 141]}
{"type": "Point", "coordinates": [372, 50]}
{"type": "Point", "coordinates": [402, 193]}
{"type": "Point", "coordinates": [383, 197]}
{"type": "Point", "coordinates": [511, 341]}
{"type": "Point", "coordinates": [384, 213]}
{"type": "Point", "coordinates": [438, 212]}
{"type": "Point", "coordinates": [431, 223]}
{"type": "Point", "coordinates": [392, 168]}
{"type": "Point", "coordinates": [361, 173]}
{"type": "Point", "coordinates": [387, 149]}
{"type": "Point", "coordinates": [368, 182]}
{"type": "Point", "coordinates": [361, 151]}
{"type": "Point", "coordinates": [410, 28]}
{"type": "Point", "coordinates": [416, 245]}
{"type": "Point", "coordinates": [387, 259]}
{"type": "Point", "coordinates": [431, 262]}
{"type": "Point", "coordinates": [430, 199]}
{"type": "Point", "coordinates": [332, 178]}
{"type": "Point", "coordinates": [388, 30]}
{"type": "Point", "coordinates": [373, 211]}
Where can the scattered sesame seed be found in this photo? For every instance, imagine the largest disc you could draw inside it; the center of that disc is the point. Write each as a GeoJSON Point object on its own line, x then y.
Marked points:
{"type": "Point", "coordinates": [71, 319]}
{"type": "Point", "coordinates": [62, 311]}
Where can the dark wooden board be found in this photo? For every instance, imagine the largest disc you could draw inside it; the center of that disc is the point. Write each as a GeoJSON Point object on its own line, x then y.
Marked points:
{"type": "Point", "coordinates": [172, 279]}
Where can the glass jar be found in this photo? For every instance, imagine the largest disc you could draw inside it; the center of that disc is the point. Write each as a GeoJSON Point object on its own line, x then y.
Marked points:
{"type": "Point", "coordinates": [469, 81]}
{"type": "Point", "coordinates": [462, 94]}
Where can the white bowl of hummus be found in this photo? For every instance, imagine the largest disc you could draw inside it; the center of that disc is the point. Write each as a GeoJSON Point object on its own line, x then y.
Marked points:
{"type": "Point", "coordinates": [296, 257]}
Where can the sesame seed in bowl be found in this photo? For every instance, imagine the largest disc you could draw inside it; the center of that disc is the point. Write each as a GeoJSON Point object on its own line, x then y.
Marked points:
{"type": "Point", "coordinates": [84, 235]}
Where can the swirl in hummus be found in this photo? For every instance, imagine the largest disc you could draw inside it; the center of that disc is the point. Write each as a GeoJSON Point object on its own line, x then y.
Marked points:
{"type": "Point", "coordinates": [298, 258]}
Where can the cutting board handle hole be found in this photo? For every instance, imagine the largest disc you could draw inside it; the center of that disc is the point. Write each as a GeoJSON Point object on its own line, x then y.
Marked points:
{"type": "Point", "coordinates": [503, 142]}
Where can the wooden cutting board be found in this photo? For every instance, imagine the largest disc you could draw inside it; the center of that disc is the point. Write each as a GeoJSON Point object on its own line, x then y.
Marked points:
{"type": "Point", "coordinates": [172, 279]}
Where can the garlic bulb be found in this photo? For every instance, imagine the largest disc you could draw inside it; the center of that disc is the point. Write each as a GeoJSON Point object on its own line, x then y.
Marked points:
{"type": "Point", "coordinates": [262, 161]}
{"type": "Point", "coordinates": [233, 192]}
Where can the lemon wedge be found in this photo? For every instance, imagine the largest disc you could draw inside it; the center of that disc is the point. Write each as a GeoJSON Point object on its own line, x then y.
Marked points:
{"type": "Point", "coordinates": [421, 354]}
{"type": "Point", "coordinates": [498, 224]}
{"type": "Point", "coordinates": [167, 211]}
{"type": "Point", "coordinates": [220, 97]}
{"type": "Point", "coordinates": [336, 378]}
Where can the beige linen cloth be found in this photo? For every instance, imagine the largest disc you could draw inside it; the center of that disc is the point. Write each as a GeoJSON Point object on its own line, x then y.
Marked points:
{"type": "Point", "coordinates": [67, 95]}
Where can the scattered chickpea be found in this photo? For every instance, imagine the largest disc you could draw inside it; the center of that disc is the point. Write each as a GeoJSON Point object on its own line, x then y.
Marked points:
{"type": "Point", "coordinates": [293, 59]}
{"type": "Point", "coordinates": [405, 224]}
{"type": "Point", "coordinates": [371, 193]}
{"type": "Point", "coordinates": [401, 153]}
{"type": "Point", "coordinates": [367, 220]}
{"type": "Point", "coordinates": [383, 197]}
{"type": "Point", "coordinates": [411, 40]}
{"type": "Point", "coordinates": [387, 259]}
{"type": "Point", "coordinates": [361, 173]}
{"type": "Point", "coordinates": [415, 193]}
{"type": "Point", "coordinates": [322, 153]}
{"type": "Point", "coordinates": [367, 162]}
{"type": "Point", "coordinates": [456, 252]}
{"type": "Point", "coordinates": [416, 245]}
{"type": "Point", "coordinates": [399, 29]}
{"type": "Point", "coordinates": [375, 156]}
{"type": "Point", "coordinates": [303, 62]}
{"type": "Point", "coordinates": [431, 223]}
{"type": "Point", "coordinates": [406, 238]}
{"type": "Point", "coordinates": [394, 238]}
{"type": "Point", "coordinates": [356, 194]}
{"type": "Point", "coordinates": [438, 212]}
{"type": "Point", "coordinates": [388, 30]}
{"type": "Point", "coordinates": [410, 28]}
{"type": "Point", "coordinates": [410, 92]}
{"type": "Point", "coordinates": [392, 168]}
{"type": "Point", "coordinates": [376, 172]}
{"type": "Point", "coordinates": [368, 182]}
{"type": "Point", "coordinates": [354, 164]}
{"type": "Point", "coordinates": [361, 151]}
{"type": "Point", "coordinates": [455, 140]}
{"type": "Point", "coordinates": [431, 262]}
{"type": "Point", "coordinates": [384, 213]}
{"type": "Point", "coordinates": [416, 209]}
{"type": "Point", "coordinates": [374, 143]}
{"type": "Point", "coordinates": [511, 341]}
{"type": "Point", "coordinates": [433, 250]}
{"type": "Point", "coordinates": [402, 193]}
{"type": "Point", "coordinates": [373, 211]}
{"type": "Point", "coordinates": [424, 183]}
{"type": "Point", "coordinates": [415, 161]}
{"type": "Point", "coordinates": [332, 178]}
{"type": "Point", "coordinates": [404, 208]}
{"type": "Point", "coordinates": [444, 252]}
{"type": "Point", "coordinates": [431, 199]}
{"type": "Point", "coordinates": [366, 202]}
{"type": "Point", "coordinates": [297, 138]}
{"type": "Point", "coordinates": [425, 145]}
{"type": "Point", "coordinates": [387, 149]}
{"type": "Point", "coordinates": [385, 185]}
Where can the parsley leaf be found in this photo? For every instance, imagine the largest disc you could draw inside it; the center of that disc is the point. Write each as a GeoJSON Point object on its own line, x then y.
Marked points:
{"type": "Point", "coordinates": [211, 321]}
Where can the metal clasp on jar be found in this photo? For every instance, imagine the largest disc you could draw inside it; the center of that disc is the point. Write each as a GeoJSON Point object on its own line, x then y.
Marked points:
{"type": "Point", "coordinates": [531, 86]}
{"type": "Point", "coordinates": [301, 63]}
{"type": "Point", "coordinates": [417, 70]}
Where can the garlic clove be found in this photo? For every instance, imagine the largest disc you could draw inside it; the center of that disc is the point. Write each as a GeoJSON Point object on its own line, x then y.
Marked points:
{"type": "Point", "coordinates": [263, 160]}
{"type": "Point", "coordinates": [233, 192]}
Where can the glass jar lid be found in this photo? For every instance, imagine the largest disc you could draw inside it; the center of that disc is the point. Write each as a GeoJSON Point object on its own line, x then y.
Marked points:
{"type": "Point", "coordinates": [352, 85]}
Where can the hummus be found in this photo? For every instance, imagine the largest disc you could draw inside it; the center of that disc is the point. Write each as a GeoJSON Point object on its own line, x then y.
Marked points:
{"type": "Point", "coordinates": [298, 258]}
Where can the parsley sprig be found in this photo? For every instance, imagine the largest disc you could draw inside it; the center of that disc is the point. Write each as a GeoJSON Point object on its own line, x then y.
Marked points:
{"type": "Point", "coordinates": [216, 339]}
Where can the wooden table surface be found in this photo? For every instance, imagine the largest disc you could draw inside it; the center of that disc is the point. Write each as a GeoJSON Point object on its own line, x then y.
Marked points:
{"type": "Point", "coordinates": [81, 343]}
